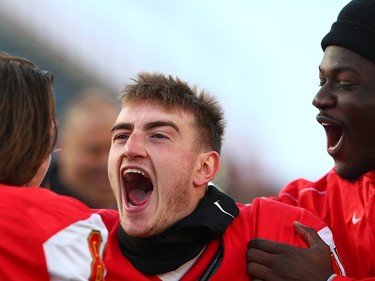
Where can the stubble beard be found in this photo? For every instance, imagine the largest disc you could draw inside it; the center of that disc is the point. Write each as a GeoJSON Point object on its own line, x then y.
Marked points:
{"type": "Point", "coordinates": [176, 206]}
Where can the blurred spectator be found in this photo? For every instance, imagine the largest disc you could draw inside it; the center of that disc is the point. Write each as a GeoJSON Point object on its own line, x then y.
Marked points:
{"type": "Point", "coordinates": [246, 179]}
{"type": "Point", "coordinates": [79, 166]}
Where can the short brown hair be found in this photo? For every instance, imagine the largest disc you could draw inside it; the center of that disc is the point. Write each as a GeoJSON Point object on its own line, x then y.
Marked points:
{"type": "Point", "coordinates": [173, 93]}
{"type": "Point", "coordinates": [28, 128]}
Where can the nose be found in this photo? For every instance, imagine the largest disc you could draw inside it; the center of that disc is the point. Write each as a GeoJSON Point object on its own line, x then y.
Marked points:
{"type": "Point", "coordinates": [135, 146]}
{"type": "Point", "coordinates": [324, 98]}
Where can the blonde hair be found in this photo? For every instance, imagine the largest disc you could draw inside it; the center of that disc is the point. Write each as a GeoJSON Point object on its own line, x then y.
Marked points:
{"type": "Point", "coordinates": [173, 93]}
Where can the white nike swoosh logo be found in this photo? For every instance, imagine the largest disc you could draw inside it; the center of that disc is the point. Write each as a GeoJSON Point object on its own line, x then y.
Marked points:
{"type": "Point", "coordinates": [355, 220]}
{"type": "Point", "coordinates": [221, 209]}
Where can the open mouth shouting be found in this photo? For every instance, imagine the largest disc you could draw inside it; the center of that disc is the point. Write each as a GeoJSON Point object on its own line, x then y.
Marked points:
{"type": "Point", "coordinates": [334, 133]}
{"type": "Point", "coordinates": [138, 187]}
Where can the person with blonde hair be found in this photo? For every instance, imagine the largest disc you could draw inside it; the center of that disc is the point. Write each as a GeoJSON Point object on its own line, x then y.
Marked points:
{"type": "Point", "coordinates": [172, 222]}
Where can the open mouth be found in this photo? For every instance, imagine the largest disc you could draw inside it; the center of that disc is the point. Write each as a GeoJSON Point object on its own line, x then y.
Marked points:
{"type": "Point", "coordinates": [138, 187]}
{"type": "Point", "coordinates": [334, 135]}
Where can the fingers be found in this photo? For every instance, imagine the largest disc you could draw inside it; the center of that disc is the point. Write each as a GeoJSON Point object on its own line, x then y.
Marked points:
{"type": "Point", "coordinates": [270, 267]}
{"type": "Point", "coordinates": [268, 246]}
{"type": "Point", "coordinates": [269, 260]}
{"type": "Point", "coordinates": [259, 263]}
{"type": "Point", "coordinates": [258, 256]}
{"type": "Point", "coordinates": [257, 271]}
{"type": "Point", "coordinates": [308, 234]}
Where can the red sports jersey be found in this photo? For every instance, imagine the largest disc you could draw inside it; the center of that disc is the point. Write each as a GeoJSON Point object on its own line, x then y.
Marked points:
{"type": "Point", "coordinates": [348, 209]}
{"type": "Point", "coordinates": [45, 236]}
{"type": "Point", "coordinates": [261, 219]}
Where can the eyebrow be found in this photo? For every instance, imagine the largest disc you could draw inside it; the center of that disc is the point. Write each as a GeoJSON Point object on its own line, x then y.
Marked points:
{"type": "Point", "coordinates": [148, 126]}
{"type": "Point", "coordinates": [340, 69]}
{"type": "Point", "coordinates": [162, 123]}
{"type": "Point", "coordinates": [122, 126]}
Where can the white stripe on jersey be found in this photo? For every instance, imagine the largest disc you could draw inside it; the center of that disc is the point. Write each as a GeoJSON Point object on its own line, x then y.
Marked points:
{"type": "Point", "coordinates": [326, 235]}
{"type": "Point", "coordinates": [70, 248]}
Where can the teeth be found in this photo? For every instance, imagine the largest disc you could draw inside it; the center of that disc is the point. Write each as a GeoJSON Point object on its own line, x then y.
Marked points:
{"type": "Point", "coordinates": [134, 171]}
{"type": "Point", "coordinates": [127, 173]}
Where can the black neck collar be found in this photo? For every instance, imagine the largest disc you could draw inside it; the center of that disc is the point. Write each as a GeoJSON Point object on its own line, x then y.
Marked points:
{"type": "Point", "coordinates": [184, 240]}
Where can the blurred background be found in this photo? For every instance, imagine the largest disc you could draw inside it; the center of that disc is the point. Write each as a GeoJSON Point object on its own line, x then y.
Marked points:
{"type": "Point", "coordinates": [260, 58]}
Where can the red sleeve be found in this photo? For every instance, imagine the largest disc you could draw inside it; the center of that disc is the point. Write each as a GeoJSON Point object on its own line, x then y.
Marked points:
{"type": "Point", "coordinates": [290, 193]}
{"type": "Point", "coordinates": [309, 195]}
{"type": "Point", "coordinates": [278, 221]}
{"type": "Point", "coordinates": [279, 227]}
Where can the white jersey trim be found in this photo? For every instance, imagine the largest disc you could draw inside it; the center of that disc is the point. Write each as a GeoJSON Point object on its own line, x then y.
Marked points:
{"type": "Point", "coordinates": [69, 254]}
{"type": "Point", "coordinates": [326, 235]}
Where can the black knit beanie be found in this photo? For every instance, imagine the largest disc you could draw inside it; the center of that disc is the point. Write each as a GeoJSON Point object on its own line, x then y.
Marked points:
{"type": "Point", "coordinates": [354, 29]}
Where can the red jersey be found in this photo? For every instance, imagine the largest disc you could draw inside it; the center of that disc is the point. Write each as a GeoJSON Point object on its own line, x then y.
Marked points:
{"type": "Point", "coordinates": [261, 219]}
{"type": "Point", "coordinates": [348, 209]}
{"type": "Point", "coordinates": [45, 236]}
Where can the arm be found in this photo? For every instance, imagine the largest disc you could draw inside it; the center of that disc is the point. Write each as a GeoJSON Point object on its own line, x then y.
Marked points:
{"type": "Point", "coordinates": [268, 260]}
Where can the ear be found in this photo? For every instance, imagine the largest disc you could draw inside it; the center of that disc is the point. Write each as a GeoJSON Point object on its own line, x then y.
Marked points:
{"type": "Point", "coordinates": [208, 167]}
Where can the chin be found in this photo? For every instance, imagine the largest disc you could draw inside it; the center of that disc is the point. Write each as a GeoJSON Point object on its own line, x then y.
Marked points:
{"type": "Point", "coordinates": [134, 231]}
{"type": "Point", "coordinates": [350, 173]}
{"type": "Point", "coordinates": [138, 233]}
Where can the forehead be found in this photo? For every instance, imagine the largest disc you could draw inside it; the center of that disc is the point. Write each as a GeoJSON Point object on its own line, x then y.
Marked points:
{"type": "Point", "coordinates": [335, 56]}
{"type": "Point", "coordinates": [149, 111]}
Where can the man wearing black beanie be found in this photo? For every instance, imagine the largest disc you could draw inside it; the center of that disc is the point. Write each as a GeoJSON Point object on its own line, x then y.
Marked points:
{"type": "Point", "coordinates": [345, 197]}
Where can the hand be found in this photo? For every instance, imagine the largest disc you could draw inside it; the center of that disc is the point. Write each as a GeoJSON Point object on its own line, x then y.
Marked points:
{"type": "Point", "coordinates": [273, 261]}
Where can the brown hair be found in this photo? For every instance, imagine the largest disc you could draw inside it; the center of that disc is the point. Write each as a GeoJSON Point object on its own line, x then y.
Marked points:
{"type": "Point", "coordinates": [28, 128]}
{"type": "Point", "coordinates": [173, 93]}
